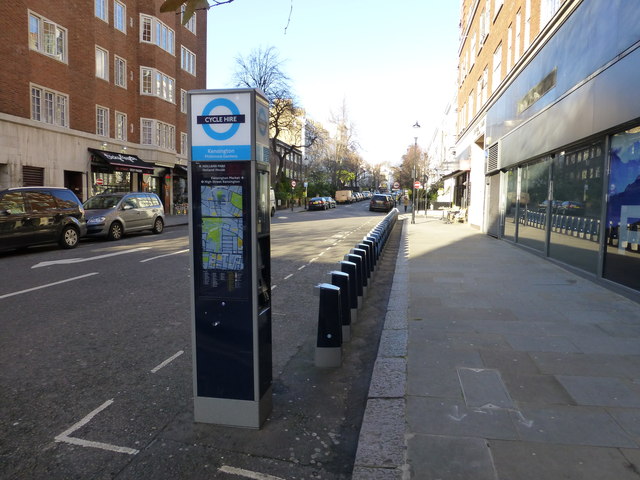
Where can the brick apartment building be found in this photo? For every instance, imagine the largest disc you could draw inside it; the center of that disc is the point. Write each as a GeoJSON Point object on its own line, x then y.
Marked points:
{"type": "Point", "coordinates": [548, 147]}
{"type": "Point", "coordinates": [93, 95]}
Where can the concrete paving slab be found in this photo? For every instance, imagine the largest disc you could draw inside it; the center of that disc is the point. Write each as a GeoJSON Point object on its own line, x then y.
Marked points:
{"type": "Point", "coordinates": [535, 389]}
{"type": "Point", "coordinates": [596, 365]}
{"type": "Point", "coordinates": [484, 388]}
{"type": "Point", "coordinates": [451, 458]}
{"type": "Point", "coordinates": [528, 343]}
{"type": "Point", "coordinates": [536, 461]}
{"type": "Point", "coordinates": [598, 391]}
{"type": "Point", "coordinates": [571, 426]}
{"type": "Point", "coordinates": [439, 416]}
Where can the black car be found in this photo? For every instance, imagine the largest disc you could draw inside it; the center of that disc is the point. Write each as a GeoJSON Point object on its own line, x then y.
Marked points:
{"type": "Point", "coordinates": [318, 203]}
{"type": "Point", "coordinates": [39, 215]}
{"type": "Point", "coordinates": [381, 202]}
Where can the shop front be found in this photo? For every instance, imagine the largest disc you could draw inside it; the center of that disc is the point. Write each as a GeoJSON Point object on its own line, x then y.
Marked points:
{"type": "Point", "coordinates": [118, 172]}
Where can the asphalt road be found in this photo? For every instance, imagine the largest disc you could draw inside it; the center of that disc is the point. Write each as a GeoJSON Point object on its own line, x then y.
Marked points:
{"type": "Point", "coordinates": [96, 360]}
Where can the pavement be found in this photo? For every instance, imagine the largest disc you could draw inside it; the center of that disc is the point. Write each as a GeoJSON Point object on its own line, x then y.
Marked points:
{"type": "Point", "coordinates": [495, 363]}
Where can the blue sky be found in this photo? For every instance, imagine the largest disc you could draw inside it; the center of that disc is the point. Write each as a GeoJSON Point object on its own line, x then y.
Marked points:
{"type": "Point", "coordinates": [392, 62]}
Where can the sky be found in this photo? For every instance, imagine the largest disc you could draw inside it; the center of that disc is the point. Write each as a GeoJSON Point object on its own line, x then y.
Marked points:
{"type": "Point", "coordinates": [391, 62]}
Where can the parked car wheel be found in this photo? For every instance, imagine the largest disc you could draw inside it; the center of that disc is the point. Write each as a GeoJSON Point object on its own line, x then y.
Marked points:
{"type": "Point", "coordinates": [158, 226]}
{"type": "Point", "coordinates": [115, 231]}
{"type": "Point", "coordinates": [70, 237]}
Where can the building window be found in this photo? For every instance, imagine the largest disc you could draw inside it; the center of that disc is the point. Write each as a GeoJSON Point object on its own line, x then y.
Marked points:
{"type": "Point", "coordinates": [191, 24]}
{"type": "Point", "coordinates": [121, 126]}
{"type": "Point", "coordinates": [183, 100]}
{"type": "Point", "coordinates": [509, 47]}
{"type": "Point", "coordinates": [188, 60]}
{"type": "Point", "coordinates": [548, 8]}
{"type": "Point", "coordinates": [496, 8]}
{"type": "Point", "coordinates": [158, 133]}
{"type": "Point", "coordinates": [527, 24]}
{"type": "Point", "coordinates": [102, 64]}
{"type": "Point", "coordinates": [497, 68]}
{"type": "Point", "coordinates": [184, 141]}
{"type": "Point", "coordinates": [146, 129]}
{"type": "Point", "coordinates": [49, 106]}
{"type": "Point", "coordinates": [101, 10]}
{"type": "Point", "coordinates": [154, 31]}
{"type": "Point", "coordinates": [102, 121]}
{"type": "Point", "coordinates": [47, 37]}
{"type": "Point", "coordinates": [120, 16]}
{"type": "Point", "coordinates": [518, 34]}
{"type": "Point", "coordinates": [154, 82]}
{"type": "Point", "coordinates": [120, 72]}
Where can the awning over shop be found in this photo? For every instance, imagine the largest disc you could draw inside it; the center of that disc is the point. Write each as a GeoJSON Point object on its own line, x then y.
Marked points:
{"type": "Point", "coordinates": [122, 162]}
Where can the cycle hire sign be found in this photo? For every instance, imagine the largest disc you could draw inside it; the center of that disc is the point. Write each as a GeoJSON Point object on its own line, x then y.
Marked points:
{"type": "Point", "coordinates": [221, 127]}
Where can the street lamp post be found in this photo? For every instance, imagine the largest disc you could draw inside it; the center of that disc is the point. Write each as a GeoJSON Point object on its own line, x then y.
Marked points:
{"type": "Point", "coordinates": [415, 154]}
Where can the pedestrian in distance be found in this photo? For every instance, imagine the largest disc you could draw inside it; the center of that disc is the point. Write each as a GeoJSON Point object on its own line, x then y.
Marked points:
{"type": "Point", "coordinates": [406, 203]}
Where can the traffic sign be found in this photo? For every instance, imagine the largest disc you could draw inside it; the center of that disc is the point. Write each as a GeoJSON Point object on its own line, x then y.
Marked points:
{"type": "Point", "coordinates": [99, 181]}
{"type": "Point", "coordinates": [396, 185]}
{"type": "Point", "coordinates": [416, 184]}
{"type": "Point", "coordinates": [293, 183]}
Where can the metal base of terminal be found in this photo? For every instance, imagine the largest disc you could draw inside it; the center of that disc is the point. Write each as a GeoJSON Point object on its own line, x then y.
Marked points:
{"type": "Point", "coordinates": [233, 413]}
{"type": "Point", "coordinates": [328, 357]}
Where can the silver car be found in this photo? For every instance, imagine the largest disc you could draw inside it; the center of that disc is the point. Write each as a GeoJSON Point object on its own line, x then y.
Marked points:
{"type": "Point", "coordinates": [113, 215]}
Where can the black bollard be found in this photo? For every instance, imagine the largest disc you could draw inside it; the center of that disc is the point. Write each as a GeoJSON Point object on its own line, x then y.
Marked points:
{"type": "Point", "coordinates": [367, 248]}
{"type": "Point", "coordinates": [341, 279]}
{"type": "Point", "coordinates": [351, 269]}
{"type": "Point", "coordinates": [357, 259]}
{"type": "Point", "coordinates": [365, 268]}
{"type": "Point", "coordinates": [329, 342]}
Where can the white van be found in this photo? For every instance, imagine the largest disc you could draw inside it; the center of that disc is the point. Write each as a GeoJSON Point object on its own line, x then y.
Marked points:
{"type": "Point", "coordinates": [344, 196]}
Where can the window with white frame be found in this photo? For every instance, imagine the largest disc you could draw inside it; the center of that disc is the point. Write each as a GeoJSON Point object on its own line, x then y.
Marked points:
{"type": "Point", "coordinates": [120, 71]}
{"type": "Point", "coordinates": [183, 100]}
{"type": "Point", "coordinates": [102, 121]}
{"type": "Point", "coordinates": [188, 60]}
{"type": "Point", "coordinates": [160, 134]}
{"type": "Point", "coordinates": [548, 8]}
{"type": "Point", "coordinates": [102, 63]}
{"type": "Point", "coordinates": [191, 24]}
{"type": "Point", "coordinates": [47, 37]}
{"type": "Point", "coordinates": [121, 126]}
{"type": "Point", "coordinates": [485, 84]}
{"type": "Point", "coordinates": [527, 24]}
{"type": "Point", "coordinates": [516, 42]}
{"type": "Point", "coordinates": [146, 131]}
{"type": "Point", "coordinates": [49, 106]}
{"type": "Point", "coordinates": [496, 8]}
{"type": "Point", "coordinates": [184, 142]}
{"type": "Point", "coordinates": [479, 93]}
{"type": "Point", "coordinates": [509, 47]}
{"type": "Point", "coordinates": [101, 10]}
{"type": "Point", "coordinates": [154, 31]}
{"type": "Point", "coordinates": [497, 68]}
{"type": "Point", "coordinates": [154, 82]}
{"type": "Point", "coordinates": [120, 16]}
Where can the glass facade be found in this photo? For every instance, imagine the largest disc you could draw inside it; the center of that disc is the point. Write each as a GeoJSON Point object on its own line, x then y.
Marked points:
{"type": "Point", "coordinates": [534, 190]}
{"type": "Point", "coordinates": [556, 205]}
{"type": "Point", "coordinates": [622, 253]}
{"type": "Point", "coordinates": [576, 207]}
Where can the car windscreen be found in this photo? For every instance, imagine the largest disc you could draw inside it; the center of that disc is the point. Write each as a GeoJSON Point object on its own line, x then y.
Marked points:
{"type": "Point", "coordinates": [102, 202]}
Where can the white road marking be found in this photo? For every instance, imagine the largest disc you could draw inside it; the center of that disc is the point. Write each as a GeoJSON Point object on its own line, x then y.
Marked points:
{"type": "Point", "coordinates": [300, 268]}
{"type": "Point", "coordinates": [247, 473]}
{"type": "Point", "coordinates": [313, 259]}
{"type": "Point", "coordinates": [47, 285]}
{"type": "Point", "coordinates": [165, 255]}
{"type": "Point", "coordinates": [288, 276]}
{"type": "Point", "coordinates": [67, 261]}
{"type": "Point", "coordinates": [64, 436]}
{"type": "Point", "coordinates": [167, 361]}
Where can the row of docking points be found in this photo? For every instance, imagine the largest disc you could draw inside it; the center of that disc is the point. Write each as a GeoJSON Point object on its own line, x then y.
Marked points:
{"type": "Point", "coordinates": [340, 299]}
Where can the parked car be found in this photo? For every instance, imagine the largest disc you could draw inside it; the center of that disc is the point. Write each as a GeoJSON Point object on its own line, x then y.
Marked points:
{"type": "Point", "coordinates": [381, 202]}
{"type": "Point", "coordinates": [38, 215]}
{"type": "Point", "coordinates": [331, 202]}
{"type": "Point", "coordinates": [272, 201]}
{"type": "Point", "coordinates": [113, 215]}
{"type": "Point", "coordinates": [318, 203]}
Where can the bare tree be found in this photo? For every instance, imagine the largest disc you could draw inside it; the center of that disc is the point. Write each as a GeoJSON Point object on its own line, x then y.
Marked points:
{"type": "Point", "coordinates": [263, 69]}
{"type": "Point", "coordinates": [190, 6]}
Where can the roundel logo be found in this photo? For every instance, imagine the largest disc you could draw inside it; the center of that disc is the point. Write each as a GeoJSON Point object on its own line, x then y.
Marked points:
{"type": "Point", "coordinates": [222, 112]}
{"type": "Point", "coordinates": [263, 122]}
